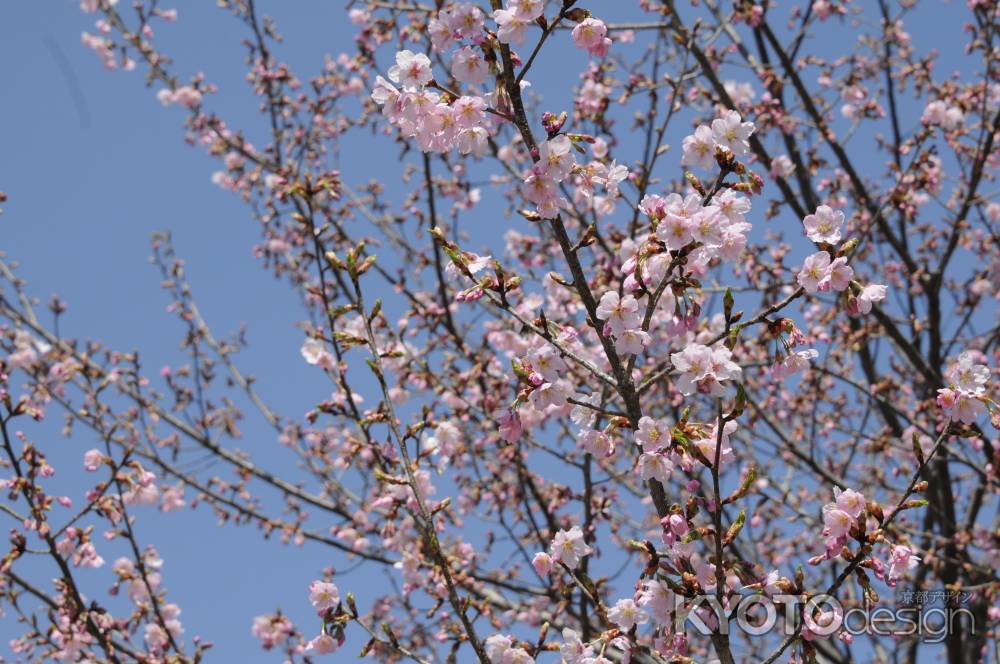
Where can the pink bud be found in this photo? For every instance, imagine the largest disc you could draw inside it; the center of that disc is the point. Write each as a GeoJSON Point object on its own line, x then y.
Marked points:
{"type": "Point", "coordinates": [510, 426]}
{"type": "Point", "coordinates": [542, 563]}
{"type": "Point", "coordinates": [678, 524]}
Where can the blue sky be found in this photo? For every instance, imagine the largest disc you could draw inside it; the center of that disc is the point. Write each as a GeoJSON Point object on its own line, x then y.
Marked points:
{"type": "Point", "coordinates": [93, 165]}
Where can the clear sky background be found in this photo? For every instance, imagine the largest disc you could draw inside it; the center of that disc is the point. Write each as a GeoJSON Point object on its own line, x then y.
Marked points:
{"type": "Point", "coordinates": [93, 165]}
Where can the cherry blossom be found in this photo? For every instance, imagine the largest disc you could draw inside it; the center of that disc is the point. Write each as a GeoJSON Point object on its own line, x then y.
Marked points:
{"type": "Point", "coordinates": [653, 435]}
{"type": "Point", "coordinates": [939, 113]}
{"type": "Point", "coordinates": [468, 66]}
{"type": "Point", "coordinates": [732, 133]}
{"type": "Point", "coordinates": [590, 34]}
{"type": "Point", "coordinates": [626, 614]}
{"type": "Point", "coordinates": [526, 256]}
{"type": "Point", "coordinates": [869, 295]}
{"type": "Point", "coordinates": [412, 70]}
{"type": "Point", "coordinates": [703, 369]}
{"type": "Point", "coordinates": [699, 148]}
{"type": "Point", "coordinates": [324, 644]}
{"type": "Point", "coordinates": [542, 563]}
{"type": "Point", "coordinates": [512, 26]}
{"type": "Point", "coordinates": [323, 595]}
{"type": "Point", "coordinates": [568, 546]}
{"type": "Point", "coordinates": [618, 313]}
{"type": "Point", "coordinates": [824, 225]}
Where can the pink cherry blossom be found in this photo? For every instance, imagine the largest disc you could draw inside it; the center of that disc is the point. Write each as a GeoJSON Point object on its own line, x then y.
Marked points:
{"type": "Point", "coordinates": [824, 225]}
{"type": "Point", "coordinates": [732, 133]}
{"type": "Point", "coordinates": [92, 460]}
{"type": "Point", "coordinates": [626, 614]}
{"type": "Point", "coordinates": [323, 595]}
{"type": "Point", "coordinates": [324, 644]}
{"type": "Point", "coordinates": [542, 563]}
{"type": "Point", "coordinates": [412, 70]}
{"type": "Point", "coordinates": [849, 501]}
{"type": "Point", "coordinates": [869, 295]}
{"type": "Point", "coordinates": [618, 313]}
{"type": "Point", "coordinates": [836, 523]}
{"type": "Point", "coordinates": [512, 27]}
{"type": "Point", "coordinates": [703, 369]}
{"type": "Point", "coordinates": [568, 546]}
{"type": "Point", "coordinates": [699, 148]}
{"type": "Point", "coordinates": [468, 66]}
{"type": "Point", "coordinates": [501, 271]}
{"type": "Point", "coordinates": [590, 34]}
{"type": "Point", "coordinates": [654, 467]}
{"type": "Point", "coordinates": [901, 561]}
{"type": "Point", "coordinates": [815, 272]}
{"type": "Point", "coordinates": [653, 435]}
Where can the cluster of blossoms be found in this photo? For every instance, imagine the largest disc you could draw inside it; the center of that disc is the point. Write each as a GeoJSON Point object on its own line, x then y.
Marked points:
{"type": "Point", "coordinates": [501, 649]}
{"type": "Point", "coordinates": [702, 369]}
{"type": "Point", "coordinates": [656, 461]}
{"type": "Point", "coordinates": [839, 517]}
{"type": "Point", "coordinates": [76, 546]}
{"type": "Point", "coordinates": [728, 133]}
{"type": "Point", "coordinates": [541, 183]}
{"type": "Point", "coordinates": [965, 397]}
{"type": "Point", "coordinates": [849, 512]}
{"type": "Point", "coordinates": [938, 113]}
{"type": "Point", "coordinates": [440, 123]}
{"type": "Point", "coordinates": [325, 598]}
{"type": "Point", "coordinates": [513, 21]}
{"type": "Point", "coordinates": [140, 586]}
{"type": "Point", "coordinates": [504, 649]}
{"type": "Point", "coordinates": [101, 47]}
{"type": "Point", "coordinates": [185, 95]}
{"type": "Point", "coordinates": [271, 630]}
{"type": "Point", "coordinates": [542, 369]}
{"type": "Point", "coordinates": [557, 164]}
{"type": "Point", "coordinates": [142, 488]}
{"type": "Point", "coordinates": [27, 350]}
{"type": "Point", "coordinates": [704, 228]}
{"type": "Point", "coordinates": [424, 115]}
{"type": "Point", "coordinates": [651, 282]}
{"type": "Point", "coordinates": [659, 458]}
{"type": "Point", "coordinates": [158, 638]}
{"type": "Point", "coordinates": [820, 273]}
{"type": "Point", "coordinates": [460, 21]}
{"type": "Point", "coordinates": [715, 230]}
{"type": "Point", "coordinates": [622, 321]}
